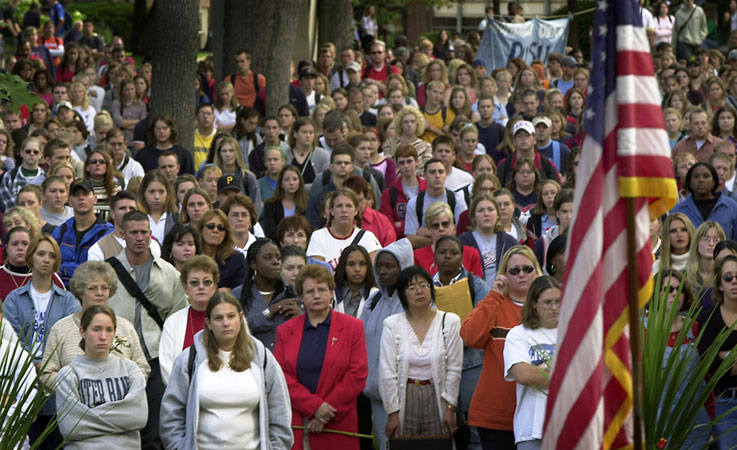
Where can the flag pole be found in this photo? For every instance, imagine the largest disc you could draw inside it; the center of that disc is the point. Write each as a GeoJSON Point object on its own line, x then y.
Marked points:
{"type": "Point", "coordinates": [634, 319]}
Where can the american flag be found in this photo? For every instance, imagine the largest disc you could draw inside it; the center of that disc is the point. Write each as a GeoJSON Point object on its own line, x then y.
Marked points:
{"type": "Point", "coordinates": [625, 154]}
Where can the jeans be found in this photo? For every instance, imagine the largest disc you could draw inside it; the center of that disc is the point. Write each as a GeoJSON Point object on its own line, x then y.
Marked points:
{"type": "Point", "coordinates": [379, 416]}
{"type": "Point", "coordinates": [726, 429]}
{"type": "Point", "coordinates": [469, 379]}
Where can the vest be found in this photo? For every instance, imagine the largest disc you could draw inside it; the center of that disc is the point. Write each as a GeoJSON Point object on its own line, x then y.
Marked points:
{"type": "Point", "coordinates": [110, 246]}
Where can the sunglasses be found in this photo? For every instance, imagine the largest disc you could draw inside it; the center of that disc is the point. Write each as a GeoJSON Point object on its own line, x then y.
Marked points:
{"type": "Point", "coordinates": [32, 152]}
{"type": "Point", "coordinates": [97, 161]}
{"type": "Point", "coordinates": [437, 225]}
{"type": "Point", "coordinates": [517, 270]}
{"type": "Point", "coordinates": [196, 283]}
{"type": "Point", "coordinates": [728, 277]}
{"type": "Point", "coordinates": [212, 226]}
{"type": "Point", "coordinates": [670, 289]}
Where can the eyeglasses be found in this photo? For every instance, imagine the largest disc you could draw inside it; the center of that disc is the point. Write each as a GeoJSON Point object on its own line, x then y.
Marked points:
{"type": "Point", "coordinates": [96, 161]}
{"type": "Point", "coordinates": [244, 215]}
{"type": "Point", "coordinates": [728, 277]}
{"type": "Point", "coordinates": [32, 152]}
{"type": "Point", "coordinates": [196, 283]}
{"type": "Point", "coordinates": [524, 172]}
{"type": "Point", "coordinates": [548, 304]}
{"type": "Point", "coordinates": [91, 289]}
{"type": "Point", "coordinates": [517, 270]}
{"type": "Point", "coordinates": [670, 288]}
{"type": "Point", "coordinates": [437, 225]}
{"type": "Point", "coordinates": [712, 240]}
{"type": "Point", "coordinates": [417, 286]}
{"type": "Point", "coordinates": [212, 226]}
{"type": "Point", "coordinates": [315, 292]}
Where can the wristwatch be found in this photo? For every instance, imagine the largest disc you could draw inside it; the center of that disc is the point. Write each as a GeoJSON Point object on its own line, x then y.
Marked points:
{"type": "Point", "coordinates": [267, 313]}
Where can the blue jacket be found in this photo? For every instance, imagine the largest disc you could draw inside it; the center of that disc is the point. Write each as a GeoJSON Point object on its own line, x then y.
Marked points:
{"type": "Point", "coordinates": [73, 253]}
{"type": "Point", "coordinates": [724, 213]}
{"type": "Point", "coordinates": [21, 313]}
{"type": "Point", "coordinates": [504, 241]}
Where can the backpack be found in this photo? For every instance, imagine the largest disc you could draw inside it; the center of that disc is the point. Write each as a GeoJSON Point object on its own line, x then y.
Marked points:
{"type": "Point", "coordinates": [450, 196]}
{"type": "Point", "coordinates": [234, 76]}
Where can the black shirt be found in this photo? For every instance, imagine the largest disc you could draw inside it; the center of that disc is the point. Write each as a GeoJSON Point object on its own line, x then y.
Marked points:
{"type": "Point", "coordinates": [705, 206]}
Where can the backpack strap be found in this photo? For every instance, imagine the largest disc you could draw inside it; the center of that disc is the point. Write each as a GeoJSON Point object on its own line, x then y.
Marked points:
{"type": "Point", "coordinates": [443, 113]}
{"type": "Point", "coordinates": [358, 237]}
{"type": "Point", "coordinates": [133, 289]}
{"type": "Point", "coordinates": [375, 301]}
{"type": "Point", "coordinates": [451, 197]}
{"type": "Point", "coordinates": [255, 80]}
{"type": "Point", "coordinates": [233, 77]}
{"type": "Point", "coordinates": [393, 194]}
{"type": "Point", "coordinates": [191, 362]}
{"type": "Point", "coordinates": [366, 71]}
{"type": "Point", "coordinates": [418, 208]}
{"type": "Point", "coordinates": [556, 154]}
{"type": "Point", "coordinates": [471, 289]}
{"type": "Point", "coordinates": [325, 177]}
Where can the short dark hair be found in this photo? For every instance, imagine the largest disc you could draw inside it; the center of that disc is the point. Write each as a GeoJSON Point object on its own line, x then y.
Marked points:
{"type": "Point", "coordinates": [710, 168]}
{"type": "Point", "coordinates": [201, 106]}
{"type": "Point", "coordinates": [728, 244]}
{"type": "Point", "coordinates": [122, 195]}
{"type": "Point", "coordinates": [453, 238]}
{"type": "Point", "coordinates": [342, 149]}
{"type": "Point", "coordinates": [432, 161]}
{"type": "Point", "coordinates": [405, 278]}
{"type": "Point", "coordinates": [563, 196]}
{"type": "Point", "coordinates": [133, 216]}
{"type": "Point", "coordinates": [444, 140]}
{"type": "Point", "coordinates": [333, 121]}
{"type": "Point", "coordinates": [53, 145]}
{"type": "Point", "coordinates": [295, 222]}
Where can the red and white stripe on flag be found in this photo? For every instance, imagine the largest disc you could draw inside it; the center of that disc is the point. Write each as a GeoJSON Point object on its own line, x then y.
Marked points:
{"type": "Point", "coordinates": [590, 399]}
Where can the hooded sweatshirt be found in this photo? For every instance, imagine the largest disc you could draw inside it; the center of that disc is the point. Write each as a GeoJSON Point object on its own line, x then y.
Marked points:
{"type": "Point", "coordinates": [104, 403]}
{"type": "Point", "coordinates": [378, 307]}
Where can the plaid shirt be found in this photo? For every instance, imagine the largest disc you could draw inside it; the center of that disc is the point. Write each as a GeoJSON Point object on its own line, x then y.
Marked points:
{"type": "Point", "coordinates": [12, 182]}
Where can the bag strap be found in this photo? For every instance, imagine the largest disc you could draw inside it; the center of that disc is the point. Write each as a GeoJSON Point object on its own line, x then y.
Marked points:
{"type": "Point", "coordinates": [375, 301]}
{"type": "Point", "coordinates": [133, 289]}
{"type": "Point", "coordinates": [191, 362]}
{"type": "Point", "coordinates": [556, 155]}
{"type": "Point", "coordinates": [418, 208]}
{"type": "Point", "coordinates": [471, 289]}
{"type": "Point", "coordinates": [683, 27]}
{"type": "Point", "coordinates": [358, 237]}
{"type": "Point", "coordinates": [393, 194]}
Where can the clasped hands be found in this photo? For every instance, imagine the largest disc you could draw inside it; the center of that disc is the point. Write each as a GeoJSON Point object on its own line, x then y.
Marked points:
{"type": "Point", "coordinates": [323, 415]}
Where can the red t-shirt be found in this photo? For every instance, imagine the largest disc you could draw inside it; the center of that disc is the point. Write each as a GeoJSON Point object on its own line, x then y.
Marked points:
{"type": "Point", "coordinates": [425, 258]}
{"type": "Point", "coordinates": [195, 323]}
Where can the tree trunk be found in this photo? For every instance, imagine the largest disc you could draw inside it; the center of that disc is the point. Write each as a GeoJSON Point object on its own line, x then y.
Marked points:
{"type": "Point", "coordinates": [573, 29]}
{"type": "Point", "coordinates": [280, 48]}
{"type": "Point", "coordinates": [174, 64]}
{"type": "Point", "coordinates": [139, 18]}
{"type": "Point", "coordinates": [334, 23]}
{"type": "Point", "coordinates": [247, 24]}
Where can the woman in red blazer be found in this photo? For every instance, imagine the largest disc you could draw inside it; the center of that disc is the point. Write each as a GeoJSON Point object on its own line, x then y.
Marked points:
{"type": "Point", "coordinates": [323, 356]}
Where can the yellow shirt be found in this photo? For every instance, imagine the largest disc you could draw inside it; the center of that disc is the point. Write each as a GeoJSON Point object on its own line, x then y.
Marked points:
{"type": "Point", "coordinates": [201, 147]}
{"type": "Point", "coordinates": [437, 121]}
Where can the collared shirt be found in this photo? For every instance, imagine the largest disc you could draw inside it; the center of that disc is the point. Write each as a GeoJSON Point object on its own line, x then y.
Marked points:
{"type": "Point", "coordinates": [312, 352]}
{"type": "Point", "coordinates": [436, 279]}
{"type": "Point", "coordinates": [157, 228]}
{"type": "Point", "coordinates": [702, 154]}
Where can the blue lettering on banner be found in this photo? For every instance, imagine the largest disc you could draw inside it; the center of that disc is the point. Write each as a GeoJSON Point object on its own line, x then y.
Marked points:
{"type": "Point", "coordinates": [534, 39]}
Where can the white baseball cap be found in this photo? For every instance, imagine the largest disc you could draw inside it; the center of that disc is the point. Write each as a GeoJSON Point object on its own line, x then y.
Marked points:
{"type": "Point", "coordinates": [523, 125]}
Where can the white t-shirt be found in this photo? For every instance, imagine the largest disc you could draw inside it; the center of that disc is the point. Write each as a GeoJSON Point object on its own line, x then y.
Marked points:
{"type": "Point", "coordinates": [489, 258]}
{"type": "Point", "coordinates": [224, 117]}
{"type": "Point", "coordinates": [229, 407]}
{"type": "Point", "coordinates": [41, 304]}
{"type": "Point", "coordinates": [95, 252]}
{"type": "Point", "coordinates": [157, 228]}
{"type": "Point", "coordinates": [323, 243]}
{"type": "Point", "coordinates": [457, 178]}
{"type": "Point", "coordinates": [535, 347]}
{"type": "Point", "coordinates": [410, 221]}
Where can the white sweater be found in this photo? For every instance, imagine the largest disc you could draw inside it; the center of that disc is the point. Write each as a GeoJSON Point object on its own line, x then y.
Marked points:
{"type": "Point", "coordinates": [446, 354]}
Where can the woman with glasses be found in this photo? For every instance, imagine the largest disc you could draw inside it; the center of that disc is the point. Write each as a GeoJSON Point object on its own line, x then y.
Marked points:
{"type": "Point", "coordinates": [420, 362]}
{"type": "Point", "coordinates": [218, 243]}
{"type": "Point", "coordinates": [100, 170]}
{"type": "Point", "coordinates": [493, 404]}
{"type": "Point", "coordinates": [700, 263]}
{"type": "Point", "coordinates": [323, 355]}
{"type": "Point", "coordinates": [528, 357]}
{"type": "Point", "coordinates": [92, 283]}
{"type": "Point", "coordinates": [711, 323]}
{"type": "Point", "coordinates": [199, 277]}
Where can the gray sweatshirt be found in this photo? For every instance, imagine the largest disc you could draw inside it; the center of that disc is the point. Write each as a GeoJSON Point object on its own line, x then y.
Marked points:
{"type": "Point", "coordinates": [375, 311]}
{"type": "Point", "coordinates": [180, 407]}
{"type": "Point", "coordinates": [101, 403]}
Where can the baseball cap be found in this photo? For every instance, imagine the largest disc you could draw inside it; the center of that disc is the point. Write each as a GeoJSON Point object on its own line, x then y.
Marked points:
{"type": "Point", "coordinates": [542, 120]}
{"type": "Point", "coordinates": [693, 61]}
{"type": "Point", "coordinates": [304, 73]}
{"type": "Point", "coordinates": [81, 183]}
{"type": "Point", "coordinates": [523, 125]}
{"type": "Point", "coordinates": [354, 66]}
{"type": "Point", "coordinates": [732, 55]}
{"type": "Point", "coordinates": [64, 104]}
{"type": "Point", "coordinates": [568, 61]}
{"type": "Point", "coordinates": [229, 182]}
{"type": "Point", "coordinates": [479, 62]}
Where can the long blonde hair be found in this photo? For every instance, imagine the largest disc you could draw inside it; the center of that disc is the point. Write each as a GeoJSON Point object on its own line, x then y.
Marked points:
{"type": "Point", "coordinates": [665, 245]}
{"type": "Point", "coordinates": [692, 264]}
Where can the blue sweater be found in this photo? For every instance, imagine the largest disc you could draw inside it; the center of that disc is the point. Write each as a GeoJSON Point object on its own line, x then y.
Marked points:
{"type": "Point", "coordinates": [724, 213]}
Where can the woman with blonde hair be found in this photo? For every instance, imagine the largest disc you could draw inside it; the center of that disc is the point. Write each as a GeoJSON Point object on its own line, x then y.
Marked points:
{"type": "Point", "coordinates": [460, 103]}
{"type": "Point", "coordinates": [226, 390]}
{"type": "Point", "coordinates": [229, 158]}
{"type": "Point", "coordinates": [81, 104]}
{"type": "Point", "coordinates": [504, 84]}
{"type": "Point", "coordinates": [675, 240]}
{"type": "Point", "coordinates": [716, 95]}
{"type": "Point", "coordinates": [17, 216]}
{"type": "Point", "coordinates": [226, 104]}
{"type": "Point", "coordinates": [494, 400]}
{"type": "Point", "coordinates": [435, 70]}
{"type": "Point", "coordinates": [409, 124]}
{"type": "Point", "coordinates": [128, 109]}
{"type": "Point", "coordinates": [700, 262]}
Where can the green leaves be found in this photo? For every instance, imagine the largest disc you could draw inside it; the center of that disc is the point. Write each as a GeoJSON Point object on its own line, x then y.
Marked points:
{"type": "Point", "coordinates": [14, 91]}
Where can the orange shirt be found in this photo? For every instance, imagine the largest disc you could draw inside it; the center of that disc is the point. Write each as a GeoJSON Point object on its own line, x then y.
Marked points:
{"type": "Point", "coordinates": [494, 400]}
{"type": "Point", "coordinates": [245, 91]}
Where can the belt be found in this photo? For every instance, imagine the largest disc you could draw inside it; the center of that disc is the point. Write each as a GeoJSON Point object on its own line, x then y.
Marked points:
{"type": "Point", "coordinates": [419, 382]}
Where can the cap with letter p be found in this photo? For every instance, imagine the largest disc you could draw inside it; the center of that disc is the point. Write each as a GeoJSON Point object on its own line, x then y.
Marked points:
{"type": "Point", "coordinates": [229, 182]}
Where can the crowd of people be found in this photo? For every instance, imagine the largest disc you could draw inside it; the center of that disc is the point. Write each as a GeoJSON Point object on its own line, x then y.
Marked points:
{"type": "Point", "coordinates": [384, 256]}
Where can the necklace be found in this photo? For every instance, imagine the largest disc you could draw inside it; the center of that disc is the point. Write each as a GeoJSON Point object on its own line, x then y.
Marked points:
{"type": "Point", "coordinates": [265, 292]}
{"type": "Point", "coordinates": [23, 283]}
